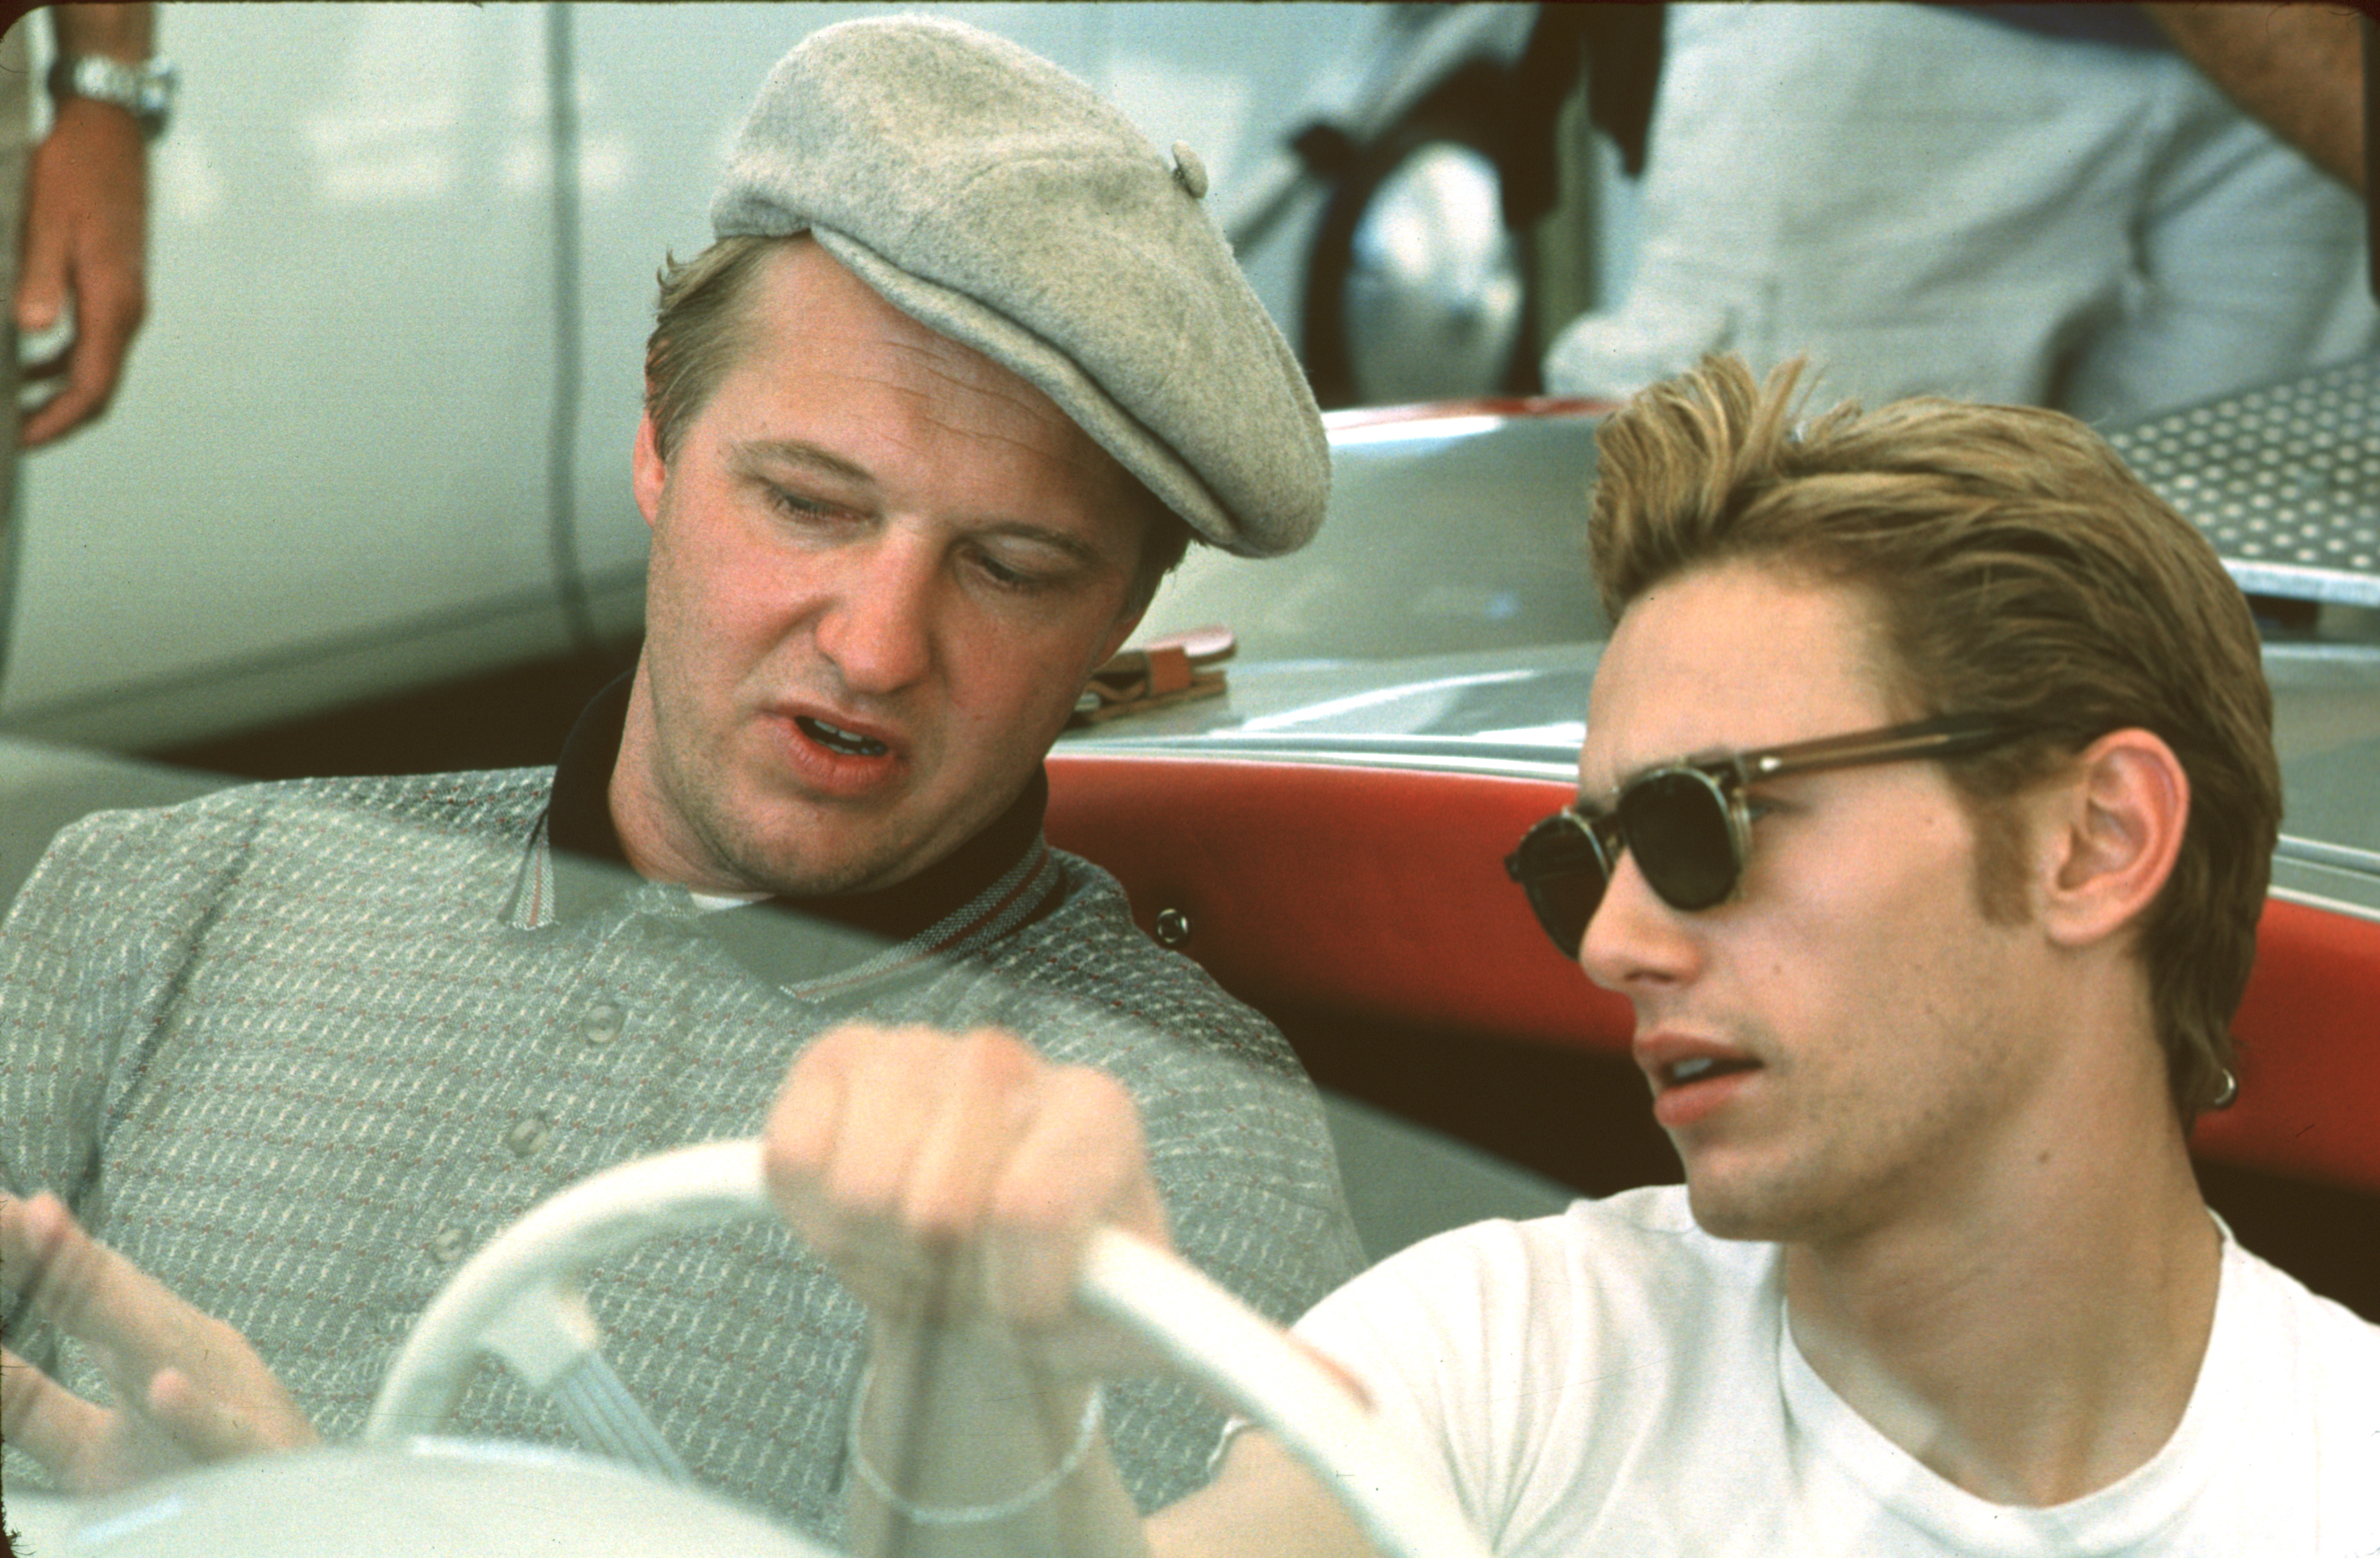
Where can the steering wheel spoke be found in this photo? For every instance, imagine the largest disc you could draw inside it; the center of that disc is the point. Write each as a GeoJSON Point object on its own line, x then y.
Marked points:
{"type": "Point", "coordinates": [544, 1333]}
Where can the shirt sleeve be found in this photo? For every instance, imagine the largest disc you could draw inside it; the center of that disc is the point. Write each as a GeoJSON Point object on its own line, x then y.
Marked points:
{"type": "Point", "coordinates": [1440, 1338]}
{"type": "Point", "coordinates": [70, 984]}
{"type": "Point", "coordinates": [92, 956]}
{"type": "Point", "coordinates": [62, 994]}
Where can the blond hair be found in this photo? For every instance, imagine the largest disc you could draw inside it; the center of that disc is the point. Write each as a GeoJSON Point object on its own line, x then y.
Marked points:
{"type": "Point", "coordinates": [2019, 568]}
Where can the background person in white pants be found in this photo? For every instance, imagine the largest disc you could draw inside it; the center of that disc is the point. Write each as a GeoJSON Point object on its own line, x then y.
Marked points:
{"type": "Point", "coordinates": [2037, 205]}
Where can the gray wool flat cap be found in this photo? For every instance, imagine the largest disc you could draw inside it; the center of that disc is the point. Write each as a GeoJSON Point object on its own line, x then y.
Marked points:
{"type": "Point", "coordinates": [997, 199]}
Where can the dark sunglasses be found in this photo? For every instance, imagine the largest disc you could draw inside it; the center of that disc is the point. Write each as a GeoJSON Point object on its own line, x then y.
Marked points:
{"type": "Point", "coordinates": [1689, 825]}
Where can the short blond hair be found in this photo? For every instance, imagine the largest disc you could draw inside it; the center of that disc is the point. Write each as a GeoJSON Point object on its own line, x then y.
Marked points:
{"type": "Point", "coordinates": [2019, 568]}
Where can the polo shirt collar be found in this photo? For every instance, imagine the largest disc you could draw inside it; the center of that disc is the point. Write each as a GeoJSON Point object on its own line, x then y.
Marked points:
{"type": "Point", "coordinates": [998, 880]}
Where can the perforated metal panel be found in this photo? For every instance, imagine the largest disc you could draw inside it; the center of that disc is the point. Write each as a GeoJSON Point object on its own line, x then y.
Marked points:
{"type": "Point", "coordinates": [2284, 479]}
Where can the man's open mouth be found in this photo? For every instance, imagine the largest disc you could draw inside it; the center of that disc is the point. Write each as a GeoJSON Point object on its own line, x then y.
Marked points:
{"type": "Point", "coordinates": [835, 739]}
{"type": "Point", "coordinates": [1701, 1068]}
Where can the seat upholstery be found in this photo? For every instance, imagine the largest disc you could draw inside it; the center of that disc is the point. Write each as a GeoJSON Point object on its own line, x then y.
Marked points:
{"type": "Point", "coordinates": [2309, 1037]}
{"type": "Point", "coordinates": [1366, 891]}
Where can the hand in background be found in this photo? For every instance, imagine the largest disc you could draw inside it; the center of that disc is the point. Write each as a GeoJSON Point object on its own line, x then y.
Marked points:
{"type": "Point", "coordinates": [86, 234]}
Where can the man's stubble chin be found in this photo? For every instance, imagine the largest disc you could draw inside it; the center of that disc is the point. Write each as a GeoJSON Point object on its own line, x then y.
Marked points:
{"type": "Point", "coordinates": [769, 848]}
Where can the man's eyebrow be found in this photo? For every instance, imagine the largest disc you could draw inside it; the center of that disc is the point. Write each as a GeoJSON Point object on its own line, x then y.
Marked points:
{"type": "Point", "coordinates": [1597, 801]}
{"type": "Point", "coordinates": [1073, 546]}
{"type": "Point", "coordinates": [794, 452]}
{"type": "Point", "coordinates": [1708, 759]}
{"type": "Point", "coordinates": [810, 457]}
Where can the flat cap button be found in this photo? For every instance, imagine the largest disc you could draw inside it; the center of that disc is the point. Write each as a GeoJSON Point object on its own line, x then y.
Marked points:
{"type": "Point", "coordinates": [448, 1245]}
{"type": "Point", "coordinates": [1172, 927]}
{"type": "Point", "coordinates": [1189, 172]}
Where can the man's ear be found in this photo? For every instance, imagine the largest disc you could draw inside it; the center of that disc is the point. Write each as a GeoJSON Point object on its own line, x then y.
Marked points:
{"type": "Point", "coordinates": [2113, 829]}
{"type": "Point", "coordinates": [650, 474]}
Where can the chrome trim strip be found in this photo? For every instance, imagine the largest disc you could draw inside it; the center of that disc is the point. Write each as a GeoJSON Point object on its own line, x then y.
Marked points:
{"type": "Point", "coordinates": [1451, 757]}
{"type": "Point", "coordinates": [1376, 698]}
{"type": "Point", "coordinates": [2338, 857]}
{"type": "Point", "coordinates": [2299, 582]}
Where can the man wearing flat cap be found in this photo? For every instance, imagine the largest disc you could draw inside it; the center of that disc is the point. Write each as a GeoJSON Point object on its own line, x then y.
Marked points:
{"type": "Point", "coordinates": [924, 428]}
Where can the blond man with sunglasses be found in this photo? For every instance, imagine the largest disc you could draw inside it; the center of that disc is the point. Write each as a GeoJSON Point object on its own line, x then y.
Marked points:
{"type": "Point", "coordinates": [1924, 816]}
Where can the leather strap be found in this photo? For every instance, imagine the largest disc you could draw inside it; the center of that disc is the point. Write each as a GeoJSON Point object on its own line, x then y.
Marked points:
{"type": "Point", "coordinates": [1175, 669]}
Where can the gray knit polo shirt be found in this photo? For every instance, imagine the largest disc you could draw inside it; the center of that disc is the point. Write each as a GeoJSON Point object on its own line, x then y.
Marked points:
{"type": "Point", "coordinates": [296, 1049]}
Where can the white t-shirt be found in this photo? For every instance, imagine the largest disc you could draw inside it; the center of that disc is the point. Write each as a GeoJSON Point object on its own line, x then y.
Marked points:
{"type": "Point", "coordinates": [1616, 1381]}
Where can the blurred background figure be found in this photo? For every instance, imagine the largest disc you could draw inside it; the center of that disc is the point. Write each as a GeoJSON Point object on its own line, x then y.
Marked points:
{"type": "Point", "coordinates": [75, 208]}
{"type": "Point", "coordinates": [2059, 205]}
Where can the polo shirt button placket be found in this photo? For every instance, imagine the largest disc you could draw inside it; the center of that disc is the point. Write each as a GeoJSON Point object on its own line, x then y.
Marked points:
{"type": "Point", "coordinates": [601, 1025]}
{"type": "Point", "coordinates": [527, 1134]}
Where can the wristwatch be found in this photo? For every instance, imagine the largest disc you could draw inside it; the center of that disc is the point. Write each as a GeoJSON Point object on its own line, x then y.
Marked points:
{"type": "Point", "coordinates": [144, 91]}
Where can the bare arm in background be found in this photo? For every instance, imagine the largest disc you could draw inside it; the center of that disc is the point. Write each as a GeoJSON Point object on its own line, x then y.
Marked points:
{"type": "Point", "coordinates": [2299, 67]}
{"type": "Point", "coordinates": [86, 229]}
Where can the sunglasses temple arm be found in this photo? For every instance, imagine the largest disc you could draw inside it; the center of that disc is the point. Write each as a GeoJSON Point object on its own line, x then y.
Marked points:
{"type": "Point", "coordinates": [1857, 751]}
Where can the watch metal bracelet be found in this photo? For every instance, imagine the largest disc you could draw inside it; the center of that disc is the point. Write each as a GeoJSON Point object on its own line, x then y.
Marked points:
{"type": "Point", "coordinates": [144, 91]}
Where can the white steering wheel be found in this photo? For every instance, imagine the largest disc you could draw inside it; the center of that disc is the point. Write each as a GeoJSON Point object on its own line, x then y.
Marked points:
{"type": "Point", "coordinates": [518, 1298]}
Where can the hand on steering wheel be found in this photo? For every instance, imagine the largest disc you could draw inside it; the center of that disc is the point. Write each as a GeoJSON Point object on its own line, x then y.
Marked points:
{"type": "Point", "coordinates": [1086, 1295]}
{"type": "Point", "coordinates": [956, 1181]}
